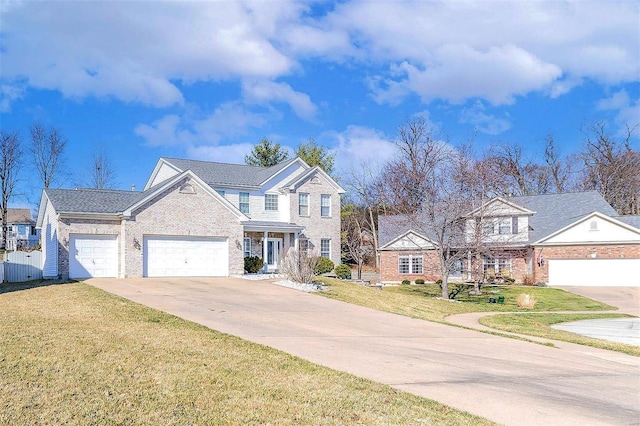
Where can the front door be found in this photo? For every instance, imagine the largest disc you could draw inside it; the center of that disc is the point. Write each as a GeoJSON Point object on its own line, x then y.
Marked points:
{"type": "Point", "coordinates": [274, 248]}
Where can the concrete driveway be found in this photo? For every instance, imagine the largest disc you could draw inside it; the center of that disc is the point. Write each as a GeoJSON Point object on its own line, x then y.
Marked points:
{"type": "Point", "coordinates": [509, 381]}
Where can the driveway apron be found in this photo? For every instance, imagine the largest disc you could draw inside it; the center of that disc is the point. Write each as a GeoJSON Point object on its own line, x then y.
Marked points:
{"type": "Point", "coordinates": [506, 380]}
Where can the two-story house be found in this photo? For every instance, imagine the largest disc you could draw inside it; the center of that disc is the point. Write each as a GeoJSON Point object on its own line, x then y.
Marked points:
{"type": "Point", "coordinates": [193, 218]}
{"type": "Point", "coordinates": [21, 230]}
{"type": "Point", "coordinates": [559, 239]}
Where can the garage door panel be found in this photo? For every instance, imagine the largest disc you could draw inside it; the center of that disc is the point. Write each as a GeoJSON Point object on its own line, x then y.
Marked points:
{"type": "Point", "coordinates": [594, 272]}
{"type": "Point", "coordinates": [93, 256]}
{"type": "Point", "coordinates": [185, 256]}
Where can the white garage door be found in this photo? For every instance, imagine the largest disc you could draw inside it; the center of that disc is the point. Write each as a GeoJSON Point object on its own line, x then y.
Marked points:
{"type": "Point", "coordinates": [186, 257]}
{"type": "Point", "coordinates": [594, 272]}
{"type": "Point", "coordinates": [93, 256]}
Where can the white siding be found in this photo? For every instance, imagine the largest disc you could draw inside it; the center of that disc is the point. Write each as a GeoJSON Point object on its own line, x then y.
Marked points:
{"type": "Point", "coordinates": [595, 230]}
{"type": "Point", "coordinates": [164, 172]}
{"type": "Point", "coordinates": [49, 235]}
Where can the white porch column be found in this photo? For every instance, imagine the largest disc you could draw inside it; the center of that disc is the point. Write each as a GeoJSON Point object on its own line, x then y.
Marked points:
{"type": "Point", "coordinates": [296, 241]}
{"type": "Point", "coordinates": [265, 268]}
{"type": "Point", "coordinates": [469, 277]}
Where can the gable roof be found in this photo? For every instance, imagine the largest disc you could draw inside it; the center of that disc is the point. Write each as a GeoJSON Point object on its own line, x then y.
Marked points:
{"type": "Point", "coordinates": [556, 211]}
{"type": "Point", "coordinates": [293, 184]}
{"type": "Point", "coordinates": [98, 201]}
{"type": "Point", "coordinates": [19, 216]}
{"type": "Point", "coordinates": [587, 218]}
{"type": "Point", "coordinates": [410, 236]}
{"type": "Point", "coordinates": [486, 210]}
{"type": "Point", "coordinates": [224, 174]}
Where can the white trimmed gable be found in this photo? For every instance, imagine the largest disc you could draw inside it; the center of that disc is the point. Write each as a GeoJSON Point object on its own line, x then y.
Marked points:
{"type": "Point", "coordinates": [410, 240]}
{"type": "Point", "coordinates": [594, 228]}
{"type": "Point", "coordinates": [161, 172]}
{"type": "Point", "coordinates": [500, 207]}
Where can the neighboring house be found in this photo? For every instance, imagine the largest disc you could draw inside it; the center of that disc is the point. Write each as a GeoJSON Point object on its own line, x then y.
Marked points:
{"type": "Point", "coordinates": [193, 218]}
{"type": "Point", "coordinates": [21, 230]}
{"type": "Point", "coordinates": [559, 239]}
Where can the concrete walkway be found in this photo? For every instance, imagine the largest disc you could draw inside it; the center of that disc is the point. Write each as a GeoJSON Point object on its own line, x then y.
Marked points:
{"type": "Point", "coordinates": [509, 381]}
{"type": "Point", "coordinates": [621, 330]}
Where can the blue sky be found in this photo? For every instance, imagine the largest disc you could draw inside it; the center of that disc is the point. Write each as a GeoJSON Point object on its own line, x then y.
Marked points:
{"type": "Point", "coordinates": [208, 80]}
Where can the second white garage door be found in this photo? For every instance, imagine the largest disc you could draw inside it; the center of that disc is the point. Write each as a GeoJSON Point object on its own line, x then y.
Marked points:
{"type": "Point", "coordinates": [186, 257]}
{"type": "Point", "coordinates": [594, 272]}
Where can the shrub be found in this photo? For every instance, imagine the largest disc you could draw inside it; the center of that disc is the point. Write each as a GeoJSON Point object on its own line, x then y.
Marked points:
{"type": "Point", "coordinates": [323, 265]}
{"type": "Point", "coordinates": [298, 267]}
{"type": "Point", "coordinates": [419, 281]}
{"type": "Point", "coordinates": [527, 280]}
{"type": "Point", "coordinates": [406, 282]}
{"type": "Point", "coordinates": [343, 271]}
{"type": "Point", "coordinates": [526, 301]}
{"type": "Point", "coordinates": [509, 280]}
{"type": "Point", "coordinates": [439, 282]}
{"type": "Point", "coordinates": [253, 264]}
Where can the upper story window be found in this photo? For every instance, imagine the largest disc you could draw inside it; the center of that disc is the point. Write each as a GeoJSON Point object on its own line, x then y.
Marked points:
{"type": "Point", "coordinates": [325, 205]}
{"type": "Point", "coordinates": [504, 226]}
{"type": "Point", "coordinates": [243, 204]}
{"type": "Point", "coordinates": [303, 204]}
{"type": "Point", "coordinates": [488, 227]}
{"type": "Point", "coordinates": [271, 202]}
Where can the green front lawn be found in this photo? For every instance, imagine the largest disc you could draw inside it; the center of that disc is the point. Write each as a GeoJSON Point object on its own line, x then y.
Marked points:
{"type": "Point", "coordinates": [540, 325]}
{"type": "Point", "coordinates": [73, 354]}
{"type": "Point", "coordinates": [422, 302]}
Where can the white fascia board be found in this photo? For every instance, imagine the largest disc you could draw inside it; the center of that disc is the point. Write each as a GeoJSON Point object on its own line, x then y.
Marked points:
{"type": "Point", "coordinates": [411, 231]}
{"type": "Point", "coordinates": [156, 169]}
{"type": "Point", "coordinates": [158, 189]}
{"type": "Point", "coordinates": [293, 185]}
{"type": "Point", "coordinates": [602, 216]}
{"type": "Point", "coordinates": [273, 176]}
{"type": "Point", "coordinates": [44, 200]}
{"type": "Point", "coordinates": [501, 200]}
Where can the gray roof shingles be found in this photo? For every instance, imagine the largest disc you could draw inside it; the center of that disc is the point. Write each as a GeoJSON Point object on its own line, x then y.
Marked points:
{"type": "Point", "coordinates": [552, 213]}
{"type": "Point", "coordinates": [97, 201]}
{"type": "Point", "coordinates": [228, 174]}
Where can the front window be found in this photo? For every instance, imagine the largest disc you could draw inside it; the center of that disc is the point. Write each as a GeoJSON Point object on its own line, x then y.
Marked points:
{"type": "Point", "coordinates": [325, 205]}
{"type": "Point", "coordinates": [271, 202]}
{"type": "Point", "coordinates": [496, 265]}
{"type": "Point", "coordinates": [303, 204]}
{"type": "Point", "coordinates": [325, 248]}
{"type": "Point", "coordinates": [244, 202]}
{"type": "Point", "coordinates": [247, 247]}
{"type": "Point", "coordinates": [410, 264]}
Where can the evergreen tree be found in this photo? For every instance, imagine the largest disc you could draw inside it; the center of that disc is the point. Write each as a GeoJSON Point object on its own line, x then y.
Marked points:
{"type": "Point", "coordinates": [266, 154]}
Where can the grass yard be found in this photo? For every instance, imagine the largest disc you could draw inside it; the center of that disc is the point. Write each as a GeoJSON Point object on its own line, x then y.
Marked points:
{"type": "Point", "coordinates": [73, 354]}
{"type": "Point", "coordinates": [420, 301]}
{"type": "Point", "coordinates": [540, 325]}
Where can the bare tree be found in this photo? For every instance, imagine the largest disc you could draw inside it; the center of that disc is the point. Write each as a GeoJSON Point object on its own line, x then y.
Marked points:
{"type": "Point", "coordinates": [100, 173]}
{"type": "Point", "coordinates": [449, 189]}
{"type": "Point", "coordinates": [356, 236]}
{"type": "Point", "coordinates": [612, 167]}
{"type": "Point", "coordinates": [47, 147]}
{"type": "Point", "coordinates": [520, 176]}
{"type": "Point", "coordinates": [10, 162]}
{"type": "Point", "coordinates": [362, 183]}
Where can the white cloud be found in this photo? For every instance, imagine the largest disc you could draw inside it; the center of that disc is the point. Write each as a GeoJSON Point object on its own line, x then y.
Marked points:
{"type": "Point", "coordinates": [359, 145]}
{"type": "Point", "coordinates": [135, 51]}
{"type": "Point", "coordinates": [627, 111]}
{"type": "Point", "coordinates": [9, 94]}
{"type": "Point", "coordinates": [201, 134]}
{"type": "Point", "coordinates": [261, 92]}
{"type": "Point", "coordinates": [483, 122]}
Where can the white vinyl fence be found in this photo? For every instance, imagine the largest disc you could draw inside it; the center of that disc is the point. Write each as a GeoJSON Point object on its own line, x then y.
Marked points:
{"type": "Point", "coordinates": [19, 266]}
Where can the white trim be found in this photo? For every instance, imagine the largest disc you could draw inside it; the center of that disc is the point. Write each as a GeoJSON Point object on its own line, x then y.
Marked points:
{"type": "Point", "coordinates": [293, 185]}
{"type": "Point", "coordinates": [405, 234]}
{"type": "Point", "coordinates": [483, 207]}
{"type": "Point", "coordinates": [158, 189]}
{"type": "Point", "coordinates": [156, 169]}
{"type": "Point", "coordinates": [295, 160]}
{"type": "Point", "coordinates": [602, 216]}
